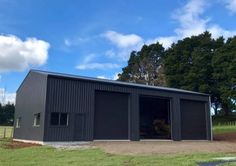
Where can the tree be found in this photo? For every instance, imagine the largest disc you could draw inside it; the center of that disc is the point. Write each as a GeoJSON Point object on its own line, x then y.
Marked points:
{"type": "Point", "coordinates": [202, 64]}
{"type": "Point", "coordinates": [145, 66]}
{"type": "Point", "coordinates": [7, 114]}
{"type": "Point", "coordinates": [188, 63]}
{"type": "Point", "coordinates": [224, 65]}
{"type": "Point", "coordinates": [198, 63]}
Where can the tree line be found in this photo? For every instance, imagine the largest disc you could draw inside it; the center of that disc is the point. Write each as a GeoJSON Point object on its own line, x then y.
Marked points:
{"type": "Point", "coordinates": [7, 114]}
{"type": "Point", "coordinates": [198, 63]}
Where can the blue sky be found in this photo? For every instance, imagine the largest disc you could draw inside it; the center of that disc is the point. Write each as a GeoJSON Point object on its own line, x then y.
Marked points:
{"type": "Point", "coordinates": [95, 38]}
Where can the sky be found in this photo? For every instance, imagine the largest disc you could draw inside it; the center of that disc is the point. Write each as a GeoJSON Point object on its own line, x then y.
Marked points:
{"type": "Point", "coordinates": [95, 38]}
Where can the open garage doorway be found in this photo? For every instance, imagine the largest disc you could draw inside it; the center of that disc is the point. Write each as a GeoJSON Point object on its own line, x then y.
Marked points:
{"type": "Point", "coordinates": [154, 118]}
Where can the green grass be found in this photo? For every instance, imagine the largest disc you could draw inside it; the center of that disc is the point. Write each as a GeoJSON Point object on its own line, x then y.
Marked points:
{"type": "Point", "coordinates": [9, 130]}
{"type": "Point", "coordinates": [223, 129]}
{"type": "Point", "coordinates": [44, 155]}
{"type": "Point", "coordinates": [224, 124]}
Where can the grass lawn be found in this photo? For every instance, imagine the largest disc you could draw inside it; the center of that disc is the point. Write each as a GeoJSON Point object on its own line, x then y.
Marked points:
{"type": "Point", "coordinates": [9, 131]}
{"type": "Point", "coordinates": [43, 155]}
{"type": "Point", "coordinates": [223, 129]}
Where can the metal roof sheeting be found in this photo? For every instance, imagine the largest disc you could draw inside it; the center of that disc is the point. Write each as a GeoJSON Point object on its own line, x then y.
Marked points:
{"type": "Point", "coordinates": [116, 82]}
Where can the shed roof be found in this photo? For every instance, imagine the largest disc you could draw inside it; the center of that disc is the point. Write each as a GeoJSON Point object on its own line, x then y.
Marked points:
{"type": "Point", "coordinates": [115, 82]}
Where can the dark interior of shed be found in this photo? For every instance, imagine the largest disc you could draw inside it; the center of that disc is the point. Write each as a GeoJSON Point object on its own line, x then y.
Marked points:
{"type": "Point", "coordinates": [154, 118]}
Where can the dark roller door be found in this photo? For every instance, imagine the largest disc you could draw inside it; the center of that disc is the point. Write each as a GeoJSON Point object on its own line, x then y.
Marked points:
{"type": "Point", "coordinates": [193, 120]}
{"type": "Point", "coordinates": [111, 115]}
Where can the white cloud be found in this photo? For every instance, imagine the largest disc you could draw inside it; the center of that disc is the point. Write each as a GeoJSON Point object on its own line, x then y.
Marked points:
{"type": "Point", "coordinates": [191, 22]}
{"type": "Point", "coordinates": [189, 18]}
{"type": "Point", "coordinates": [123, 41]}
{"type": "Point", "coordinates": [68, 42]}
{"type": "Point", "coordinates": [89, 64]}
{"type": "Point", "coordinates": [6, 97]}
{"type": "Point", "coordinates": [165, 41]}
{"type": "Point", "coordinates": [114, 77]}
{"type": "Point", "coordinates": [89, 58]}
{"type": "Point", "coordinates": [124, 54]}
{"type": "Point", "coordinates": [217, 31]}
{"type": "Point", "coordinates": [124, 49]}
{"type": "Point", "coordinates": [18, 55]}
{"type": "Point", "coordinates": [101, 66]}
{"type": "Point", "coordinates": [102, 77]}
{"type": "Point", "coordinates": [231, 5]}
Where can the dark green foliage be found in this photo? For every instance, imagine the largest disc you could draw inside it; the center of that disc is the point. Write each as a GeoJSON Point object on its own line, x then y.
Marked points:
{"type": "Point", "coordinates": [7, 114]}
{"type": "Point", "coordinates": [198, 63]}
{"type": "Point", "coordinates": [219, 119]}
{"type": "Point", "coordinates": [202, 64]}
{"type": "Point", "coordinates": [145, 66]}
{"type": "Point", "coordinates": [188, 63]}
{"type": "Point", "coordinates": [224, 63]}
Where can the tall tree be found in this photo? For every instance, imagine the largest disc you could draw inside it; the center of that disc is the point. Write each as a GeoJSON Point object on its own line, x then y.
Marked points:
{"type": "Point", "coordinates": [202, 64]}
{"type": "Point", "coordinates": [224, 63]}
{"type": "Point", "coordinates": [198, 63]}
{"type": "Point", "coordinates": [145, 66]}
{"type": "Point", "coordinates": [188, 63]}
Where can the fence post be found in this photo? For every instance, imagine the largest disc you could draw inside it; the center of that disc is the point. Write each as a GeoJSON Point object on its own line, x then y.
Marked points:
{"type": "Point", "coordinates": [11, 133]}
{"type": "Point", "coordinates": [4, 133]}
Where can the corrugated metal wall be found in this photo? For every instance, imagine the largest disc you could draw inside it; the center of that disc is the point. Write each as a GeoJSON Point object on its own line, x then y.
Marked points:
{"type": "Point", "coordinates": [31, 99]}
{"type": "Point", "coordinates": [70, 97]}
{"type": "Point", "coordinates": [78, 96]}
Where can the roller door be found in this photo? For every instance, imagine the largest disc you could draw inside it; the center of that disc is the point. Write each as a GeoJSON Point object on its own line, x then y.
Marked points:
{"type": "Point", "coordinates": [193, 120]}
{"type": "Point", "coordinates": [111, 115]}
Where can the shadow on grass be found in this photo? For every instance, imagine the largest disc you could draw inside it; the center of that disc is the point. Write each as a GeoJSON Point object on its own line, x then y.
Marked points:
{"type": "Point", "coordinates": [216, 163]}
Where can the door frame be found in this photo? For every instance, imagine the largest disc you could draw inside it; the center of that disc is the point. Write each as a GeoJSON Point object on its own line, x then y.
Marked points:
{"type": "Point", "coordinates": [170, 108]}
{"type": "Point", "coordinates": [83, 127]}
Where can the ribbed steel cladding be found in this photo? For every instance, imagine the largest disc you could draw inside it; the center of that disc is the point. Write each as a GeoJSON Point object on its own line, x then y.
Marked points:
{"type": "Point", "coordinates": [77, 96]}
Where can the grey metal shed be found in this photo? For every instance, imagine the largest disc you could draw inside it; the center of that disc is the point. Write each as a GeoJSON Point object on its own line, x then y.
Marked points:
{"type": "Point", "coordinates": [60, 107]}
